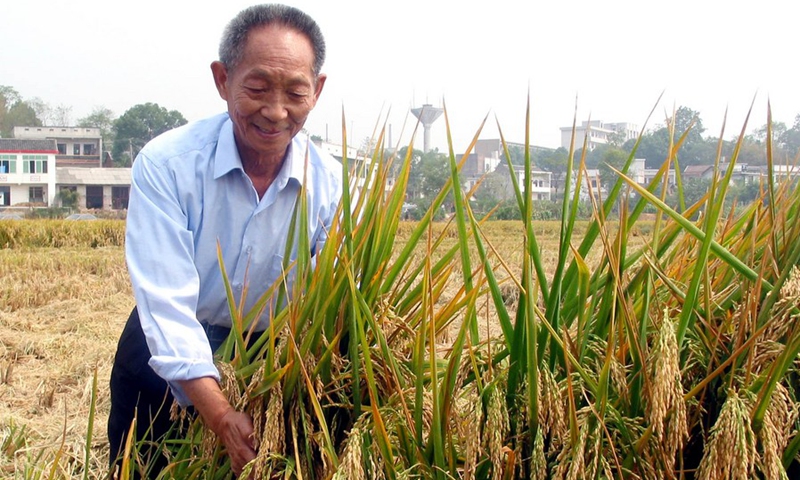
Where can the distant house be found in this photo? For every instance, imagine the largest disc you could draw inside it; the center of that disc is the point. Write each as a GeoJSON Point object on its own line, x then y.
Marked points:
{"type": "Point", "coordinates": [785, 172]}
{"type": "Point", "coordinates": [359, 165]}
{"type": "Point", "coordinates": [77, 161]}
{"type": "Point", "coordinates": [97, 188]}
{"type": "Point", "coordinates": [77, 146]}
{"type": "Point", "coordinates": [742, 174]}
{"type": "Point", "coordinates": [541, 181]}
{"type": "Point", "coordinates": [490, 150]}
{"type": "Point", "coordinates": [704, 172]}
{"type": "Point", "coordinates": [645, 176]}
{"type": "Point", "coordinates": [591, 185]}
{"type": "Point", "coordinates": [596, 133]}
{"type": "Point", "coordinates": [27, 172]}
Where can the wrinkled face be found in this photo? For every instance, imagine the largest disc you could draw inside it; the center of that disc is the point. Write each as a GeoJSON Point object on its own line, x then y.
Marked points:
{"type": "Point", "coordinates": [270, 92]}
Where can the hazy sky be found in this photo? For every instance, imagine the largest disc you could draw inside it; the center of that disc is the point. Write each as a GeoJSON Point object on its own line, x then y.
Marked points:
{"type": "Point", "coordinates": [615, 56]}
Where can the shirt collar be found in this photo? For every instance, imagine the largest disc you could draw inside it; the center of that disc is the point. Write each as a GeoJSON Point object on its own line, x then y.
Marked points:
{"type": "Point", "coordinates": [294, 166]}
{"type": "Point", "coordinates": [227, 157]}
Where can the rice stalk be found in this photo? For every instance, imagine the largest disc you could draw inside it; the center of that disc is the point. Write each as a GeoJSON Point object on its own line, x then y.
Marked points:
{"type": "Point", "coordinates": [731, 449]}
{"type": "Point", "coordinates": [667, 408]}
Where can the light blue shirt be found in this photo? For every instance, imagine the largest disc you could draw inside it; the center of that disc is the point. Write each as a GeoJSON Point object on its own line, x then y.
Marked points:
{"type": "Point", "coordinates": [188, 192]}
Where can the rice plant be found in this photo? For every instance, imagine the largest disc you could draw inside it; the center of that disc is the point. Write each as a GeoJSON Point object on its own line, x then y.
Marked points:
{"type": "Point", "coordinates": [673, 359]}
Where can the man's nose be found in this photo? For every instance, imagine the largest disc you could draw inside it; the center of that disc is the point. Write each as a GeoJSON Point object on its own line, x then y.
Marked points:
{"type": "Point", "coordinates": [274, 108]}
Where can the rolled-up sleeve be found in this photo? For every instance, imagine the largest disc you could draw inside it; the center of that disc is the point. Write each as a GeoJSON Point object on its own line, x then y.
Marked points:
{"type": "Point", "coordinates": [159, 250]}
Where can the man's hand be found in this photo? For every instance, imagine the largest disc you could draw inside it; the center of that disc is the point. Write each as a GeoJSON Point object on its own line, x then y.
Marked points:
{"type": "Point", "coordinates": [235, 429]}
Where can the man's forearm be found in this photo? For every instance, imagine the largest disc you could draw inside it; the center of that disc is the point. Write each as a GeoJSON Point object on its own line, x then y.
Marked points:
{"type": "Point", "coordinates": [208, 400]}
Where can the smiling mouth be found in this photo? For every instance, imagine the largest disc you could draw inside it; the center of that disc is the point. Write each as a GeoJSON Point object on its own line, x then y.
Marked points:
{"type": "Point", "coordinates": [267, 131]}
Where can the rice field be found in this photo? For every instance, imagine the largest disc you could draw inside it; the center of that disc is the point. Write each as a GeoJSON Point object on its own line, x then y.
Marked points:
{"type": "Point", "coordinates": [612, 348]}
{"type": "Point", "coordinates": [61, 313]}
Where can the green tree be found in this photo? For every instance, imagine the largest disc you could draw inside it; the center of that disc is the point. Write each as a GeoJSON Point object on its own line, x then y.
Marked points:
{"type": "Point", "coordinates": [68, 198]}
{"type": "Point", "coordinates": [751, 151]}
{"type": "Point", "coordinates": [516, 153]}
{"type": "Point", "coordinates": [759, 135]}
{"type": "Point", "coordinates": [693, 190]}
{"type": "Point", "coordinates": [612, 158]}
{"type": "Point", "coordinates": [686, 118]}
{"type": "Point", "coordinates": [15, 112]}
{"type": "Point", "coordinates": [654, 145]}
{"type": "Point", "coordinates": [616, 139]}
{"type": "Point", "coordinates": [790, 139]}
{"type": "Point", "coordinates": [434, 171]}
{"type": "Point", "coordinates": [138, 125]}
{"type": "Point", "coordinates": [102, 118]}
{"type": "Point", "coordinates": [429, 172]}
{"type": "Point", "coordinates": [495, 188]}
{"type": "Point", "coordinates": [555, 162]}
{"type": "Point", "coordinates": [414, 176]}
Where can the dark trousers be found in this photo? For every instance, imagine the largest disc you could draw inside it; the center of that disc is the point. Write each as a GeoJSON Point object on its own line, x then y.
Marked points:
{"type": "Point", "coordinates": [136, 390]}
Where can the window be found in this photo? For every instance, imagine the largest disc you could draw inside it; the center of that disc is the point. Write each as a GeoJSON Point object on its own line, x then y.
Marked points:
{"type": "Point", "coordinates": [76, 148]}
{"type": "Point", "coordinates": [8, 164]}
{"type": "Point", "coordinates": [94, 196]}
{"type": "Point", "coordinates": [88, 149]}
{"type": "Point", "coordinates": [119, 197]}
{"type": "Point", "coordinates": [36, 194]}
{"type": "Point", "coordinates": [62, 148]}
{"type": "Point", "coordinates": [34, 164]}
{"type": "Point", "coordinates": [5, 196]}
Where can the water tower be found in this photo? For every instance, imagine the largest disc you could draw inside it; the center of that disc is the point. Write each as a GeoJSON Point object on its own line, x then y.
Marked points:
{"type": "Point", "coordinates": [427, 114]}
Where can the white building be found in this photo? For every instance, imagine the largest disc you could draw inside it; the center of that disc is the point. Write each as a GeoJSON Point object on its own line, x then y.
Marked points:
{"type": "Point", "coordinates": [644, 176]}
{"type": "Point", "coordinates": [597, 132]}
{"type": "Point", "coordinates": [359, 165]}
{"type": "Point", "coordinates": [77, 146]}
{"type": "Point", "coordinates": [784, 172]}
{"type": "Point", "coordinates": [541, 182]}
{"type": "Point", "coordinates": [27, 172]}
{"type": "Point", "coordinates": [97, 188]}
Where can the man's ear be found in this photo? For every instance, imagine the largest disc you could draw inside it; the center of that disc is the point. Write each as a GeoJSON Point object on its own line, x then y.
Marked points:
{"type": "Point", "coordinates": [318, 86]}
{"type": "Point", "coordinates": [220, 72]}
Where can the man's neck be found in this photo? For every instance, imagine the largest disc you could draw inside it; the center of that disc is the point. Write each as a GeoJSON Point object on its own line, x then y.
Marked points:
{"type": "Point", "coordinates": [261, 170]}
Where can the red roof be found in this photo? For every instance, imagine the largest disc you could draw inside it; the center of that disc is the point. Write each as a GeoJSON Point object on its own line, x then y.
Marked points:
{"type": "Point", "coordinates": [30, 151]}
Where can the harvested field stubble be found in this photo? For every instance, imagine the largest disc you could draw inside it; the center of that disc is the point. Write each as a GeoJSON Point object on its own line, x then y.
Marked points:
{"type": "Point", "coordinates": [61, 313]}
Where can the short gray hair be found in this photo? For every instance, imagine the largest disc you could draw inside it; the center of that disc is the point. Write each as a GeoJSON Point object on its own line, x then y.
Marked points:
{"type": "Point", "coordinates": [231, 48]}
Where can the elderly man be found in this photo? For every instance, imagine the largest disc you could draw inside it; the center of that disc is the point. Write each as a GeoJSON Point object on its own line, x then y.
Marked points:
{"type": "Point", "coordinates": [233, 179]}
